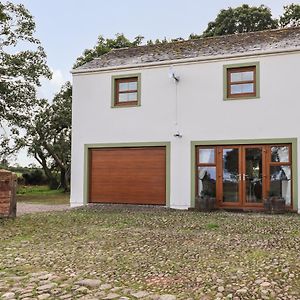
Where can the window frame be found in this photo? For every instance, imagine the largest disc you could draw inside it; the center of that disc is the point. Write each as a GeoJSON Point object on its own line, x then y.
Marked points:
{"type": "Point", "coordinates": [289, 164]}
{"type": "Point", "coordinates": [115, 81]}
{"type": "Point", "coordinates": [203, 165]}
{"type": "Point", "coordinates": [234, 68]}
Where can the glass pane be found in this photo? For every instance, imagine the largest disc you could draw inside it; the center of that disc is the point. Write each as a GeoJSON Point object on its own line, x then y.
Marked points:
{"type": "Point", "coordinates": [123, 86]}
{"type": "Point", "coordinates": [281, 183]}
{"type": "Point", "coordinates": [242, 88]}
{"type": "Point", "coordinates": [123, 97]}
{"type": "Point", "coordinates": [248, 76]}
{"type": "Point", "coordinates": [253, 175]}
{"type": "Point", "coordinates": [132, 86]}
{"type": "Point", "coordinates": [236, 89]}
{"type": "Point", "coordinates": [230, 175]}
{"type": "Point", "coordinates": [207, 181]}
{"type": "Point", "coordinates": [242, 76]}
{"type": "Point", "coordinates": [207, 156]}
{"type": "Point", "coordinates": [132, 96]}
{"type": "Point", "coordinates": [248, 88]}
{"type": "Point", "coordinates": [280, 154]}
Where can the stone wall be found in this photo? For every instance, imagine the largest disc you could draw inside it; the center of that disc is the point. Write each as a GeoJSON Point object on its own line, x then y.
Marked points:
{"type": "Point", "coordinates": [8, 185]}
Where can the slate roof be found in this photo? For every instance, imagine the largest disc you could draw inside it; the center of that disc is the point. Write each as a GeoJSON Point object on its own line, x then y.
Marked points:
{"type": "Point", "coordinates": [229, 45]}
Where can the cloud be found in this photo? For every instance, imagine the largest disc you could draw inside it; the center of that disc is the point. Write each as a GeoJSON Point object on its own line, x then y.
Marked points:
{"type": "Point", "coordinates": [57, 78]}
{"type": "Point", "coordinates": [50, 87]}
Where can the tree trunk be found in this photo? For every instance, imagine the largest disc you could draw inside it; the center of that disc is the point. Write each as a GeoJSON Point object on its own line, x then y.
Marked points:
{"type": "Point", "coordinates": [42, 161]}
{"type": "Point", "coordinates": [64, 180]}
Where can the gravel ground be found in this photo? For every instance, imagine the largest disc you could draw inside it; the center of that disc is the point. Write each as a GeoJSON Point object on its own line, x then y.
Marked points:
{"type": "Point", "coordinates": [27, 208]}
{"type": "Point", "coordinates": [115, 252]}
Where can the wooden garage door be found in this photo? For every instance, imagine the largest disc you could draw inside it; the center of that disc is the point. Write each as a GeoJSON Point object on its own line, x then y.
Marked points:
{"type": "Point", "coordinates": [128, 175]}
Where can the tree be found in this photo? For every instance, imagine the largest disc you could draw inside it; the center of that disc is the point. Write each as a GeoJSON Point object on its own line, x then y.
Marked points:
{"type": "Point", "coordinates": [239, 20]}
{"type": "Point", "coordinates": [47, 137]}
{"type": "Point", "coordinates": [20, 70]}
{"type": "Point", "coordinates": [105, 45]}
{"type": "Point", "coordinates": [291, 16]}
{"type": "Point", "coordinates": [4, 164]}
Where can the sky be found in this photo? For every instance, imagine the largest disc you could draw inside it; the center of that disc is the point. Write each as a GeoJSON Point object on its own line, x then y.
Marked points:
{"type": "Point", "coordinates": [67, 27]}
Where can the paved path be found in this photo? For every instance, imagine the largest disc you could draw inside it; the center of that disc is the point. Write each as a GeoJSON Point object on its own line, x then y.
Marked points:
{"type": "Point", "coordinates": [28, 208]}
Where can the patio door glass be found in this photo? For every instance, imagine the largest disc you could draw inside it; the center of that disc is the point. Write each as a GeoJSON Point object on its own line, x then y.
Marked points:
{"type": "Point", "coordinates": [253, 174]}
{"type": "Point", "coordinates": [242, 176]}
{"type": "Point", "coordinates": [231, 175]}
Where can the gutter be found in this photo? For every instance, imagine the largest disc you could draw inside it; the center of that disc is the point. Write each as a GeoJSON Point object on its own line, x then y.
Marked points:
{"type": "Point", "coordinates": [186, 61]}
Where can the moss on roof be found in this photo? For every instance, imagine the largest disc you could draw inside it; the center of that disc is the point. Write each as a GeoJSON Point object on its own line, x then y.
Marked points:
{"type": "Point", "coordinates": [235, 44]}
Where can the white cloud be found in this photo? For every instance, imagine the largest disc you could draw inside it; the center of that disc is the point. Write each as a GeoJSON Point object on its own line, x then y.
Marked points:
{"type": "Point", "coordinates": [50, 87]}
{"type": "Point", "coordinates": [57, 78]}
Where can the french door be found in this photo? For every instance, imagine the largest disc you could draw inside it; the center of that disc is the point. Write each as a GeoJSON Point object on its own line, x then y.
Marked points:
{"type": "Point", "coordinates": [241, 176]}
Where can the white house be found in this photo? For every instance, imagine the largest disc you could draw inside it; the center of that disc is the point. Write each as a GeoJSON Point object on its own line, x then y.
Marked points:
{"type": "Point", "coordinates": [160, 124]}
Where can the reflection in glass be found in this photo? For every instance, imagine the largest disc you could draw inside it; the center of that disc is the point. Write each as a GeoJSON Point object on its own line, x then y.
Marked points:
{"type": "Point", "coordinates": [125, 97]}
{"type": "Point", "coordinates": [242, 76]}
{"type": "Point", "coordinates": [253, 175]}
{"type": "Point", "coordinates": [132, 86]}
{"type": "Point", "coordinates": [242, 88]}
{"type": "Point", "coordinates": [280, 183]}
{"type": "Point", "coordinates": [207, 181]}
{"type": "Point", "coordinates": [280, 154]}
{"type": "Point", "coordinates": [127, 86]}
{"type": "Point", "coordinates": [231, 175]}
{"type": "Point", "coordinates": [207, 156]}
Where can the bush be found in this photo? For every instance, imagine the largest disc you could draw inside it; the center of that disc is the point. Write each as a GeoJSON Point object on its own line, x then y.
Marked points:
{"type": "Point", "coordinates": [35, 177]}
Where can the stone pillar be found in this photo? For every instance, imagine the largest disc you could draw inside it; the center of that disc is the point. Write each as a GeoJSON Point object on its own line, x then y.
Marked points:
{"type": "Point", "coordinates": [8, 187]}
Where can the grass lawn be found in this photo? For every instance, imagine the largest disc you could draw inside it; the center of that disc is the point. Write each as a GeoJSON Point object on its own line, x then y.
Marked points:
{"type": "Point", "coordinates": [42, 195]}
{"type": "Point", "coordinates": [187, 254]}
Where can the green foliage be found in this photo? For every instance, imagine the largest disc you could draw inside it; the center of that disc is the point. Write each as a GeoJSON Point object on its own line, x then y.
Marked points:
{"type": "Point", "coordinates": [212, 226]}
{"type": "Point", "coordinates": [36, 190]}
{"type": "Point", "coordinates": [105, 45]}
{"type": "Point", "coordinates": [239, 20]}
{"type": "Point", "coordinates": [34, 177]}
{"type": "Point", "coordinates": [47, 137]}
{"type": "Point", "coordinates": [4, 164]}
{"type": "Point", "coordinates": [291, 16]}
{"type": "Point", "coordinates": [20, 70]}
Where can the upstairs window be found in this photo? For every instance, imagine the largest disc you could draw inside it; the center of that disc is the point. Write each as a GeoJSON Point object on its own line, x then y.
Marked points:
{"type": "Point", "coordinates": [241, 82]}
{"type": "Point", "coordinates": [126, 91]}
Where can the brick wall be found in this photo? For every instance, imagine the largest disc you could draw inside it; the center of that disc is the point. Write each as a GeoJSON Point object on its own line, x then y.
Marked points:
{"type": "Point", "coordinates": [8, 184]}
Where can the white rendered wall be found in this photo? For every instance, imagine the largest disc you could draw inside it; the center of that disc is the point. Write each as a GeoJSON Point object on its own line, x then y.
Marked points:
{"type": "Point", "coordinates": [202, 113]}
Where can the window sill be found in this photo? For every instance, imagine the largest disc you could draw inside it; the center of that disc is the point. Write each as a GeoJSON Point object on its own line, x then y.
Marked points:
{"type": "Point", "coordinates": [242, 98]}
{"type": "Point", "coordinates": [126, 106]}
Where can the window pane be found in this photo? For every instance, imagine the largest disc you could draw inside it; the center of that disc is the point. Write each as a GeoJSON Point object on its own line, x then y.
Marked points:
{"type": "Point", "coordinates": [280, 183]}
{"type": "Point", "coordinates": [254, 175]}
{"type": "Point", "coordinates": [123, 97]}
{"type": "Point", "coordinates": [242, 76]}
{"type": "Point", "coordinates": [242, 88]}
{"type": "Point", "coordinates": [236, 89]}
{"type": "Point", "coordinates": [207, 156]}
{"type": "Point", "coordinates": [132, 86]}
{"type": "Point", "coordinates": [248, 88]}
{"type": "Point", "coordinates": [207, 181]}
{"type": "Point", "coordinates": [248, 76]}
{"type": "Point", "coordinates": [235, 77]}
{"type": "Point", "coordinates": [123, 86]}
{"type": "Point", "coordinates": [231, 175]}
{"type": "Point", "coordinates": [132, 96]}
{"type": "Point", "coordinates": [280, 154]}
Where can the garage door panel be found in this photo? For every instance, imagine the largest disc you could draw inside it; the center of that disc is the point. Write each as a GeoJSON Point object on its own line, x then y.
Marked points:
{"type": "Point", "coordinates": [128, 175]}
